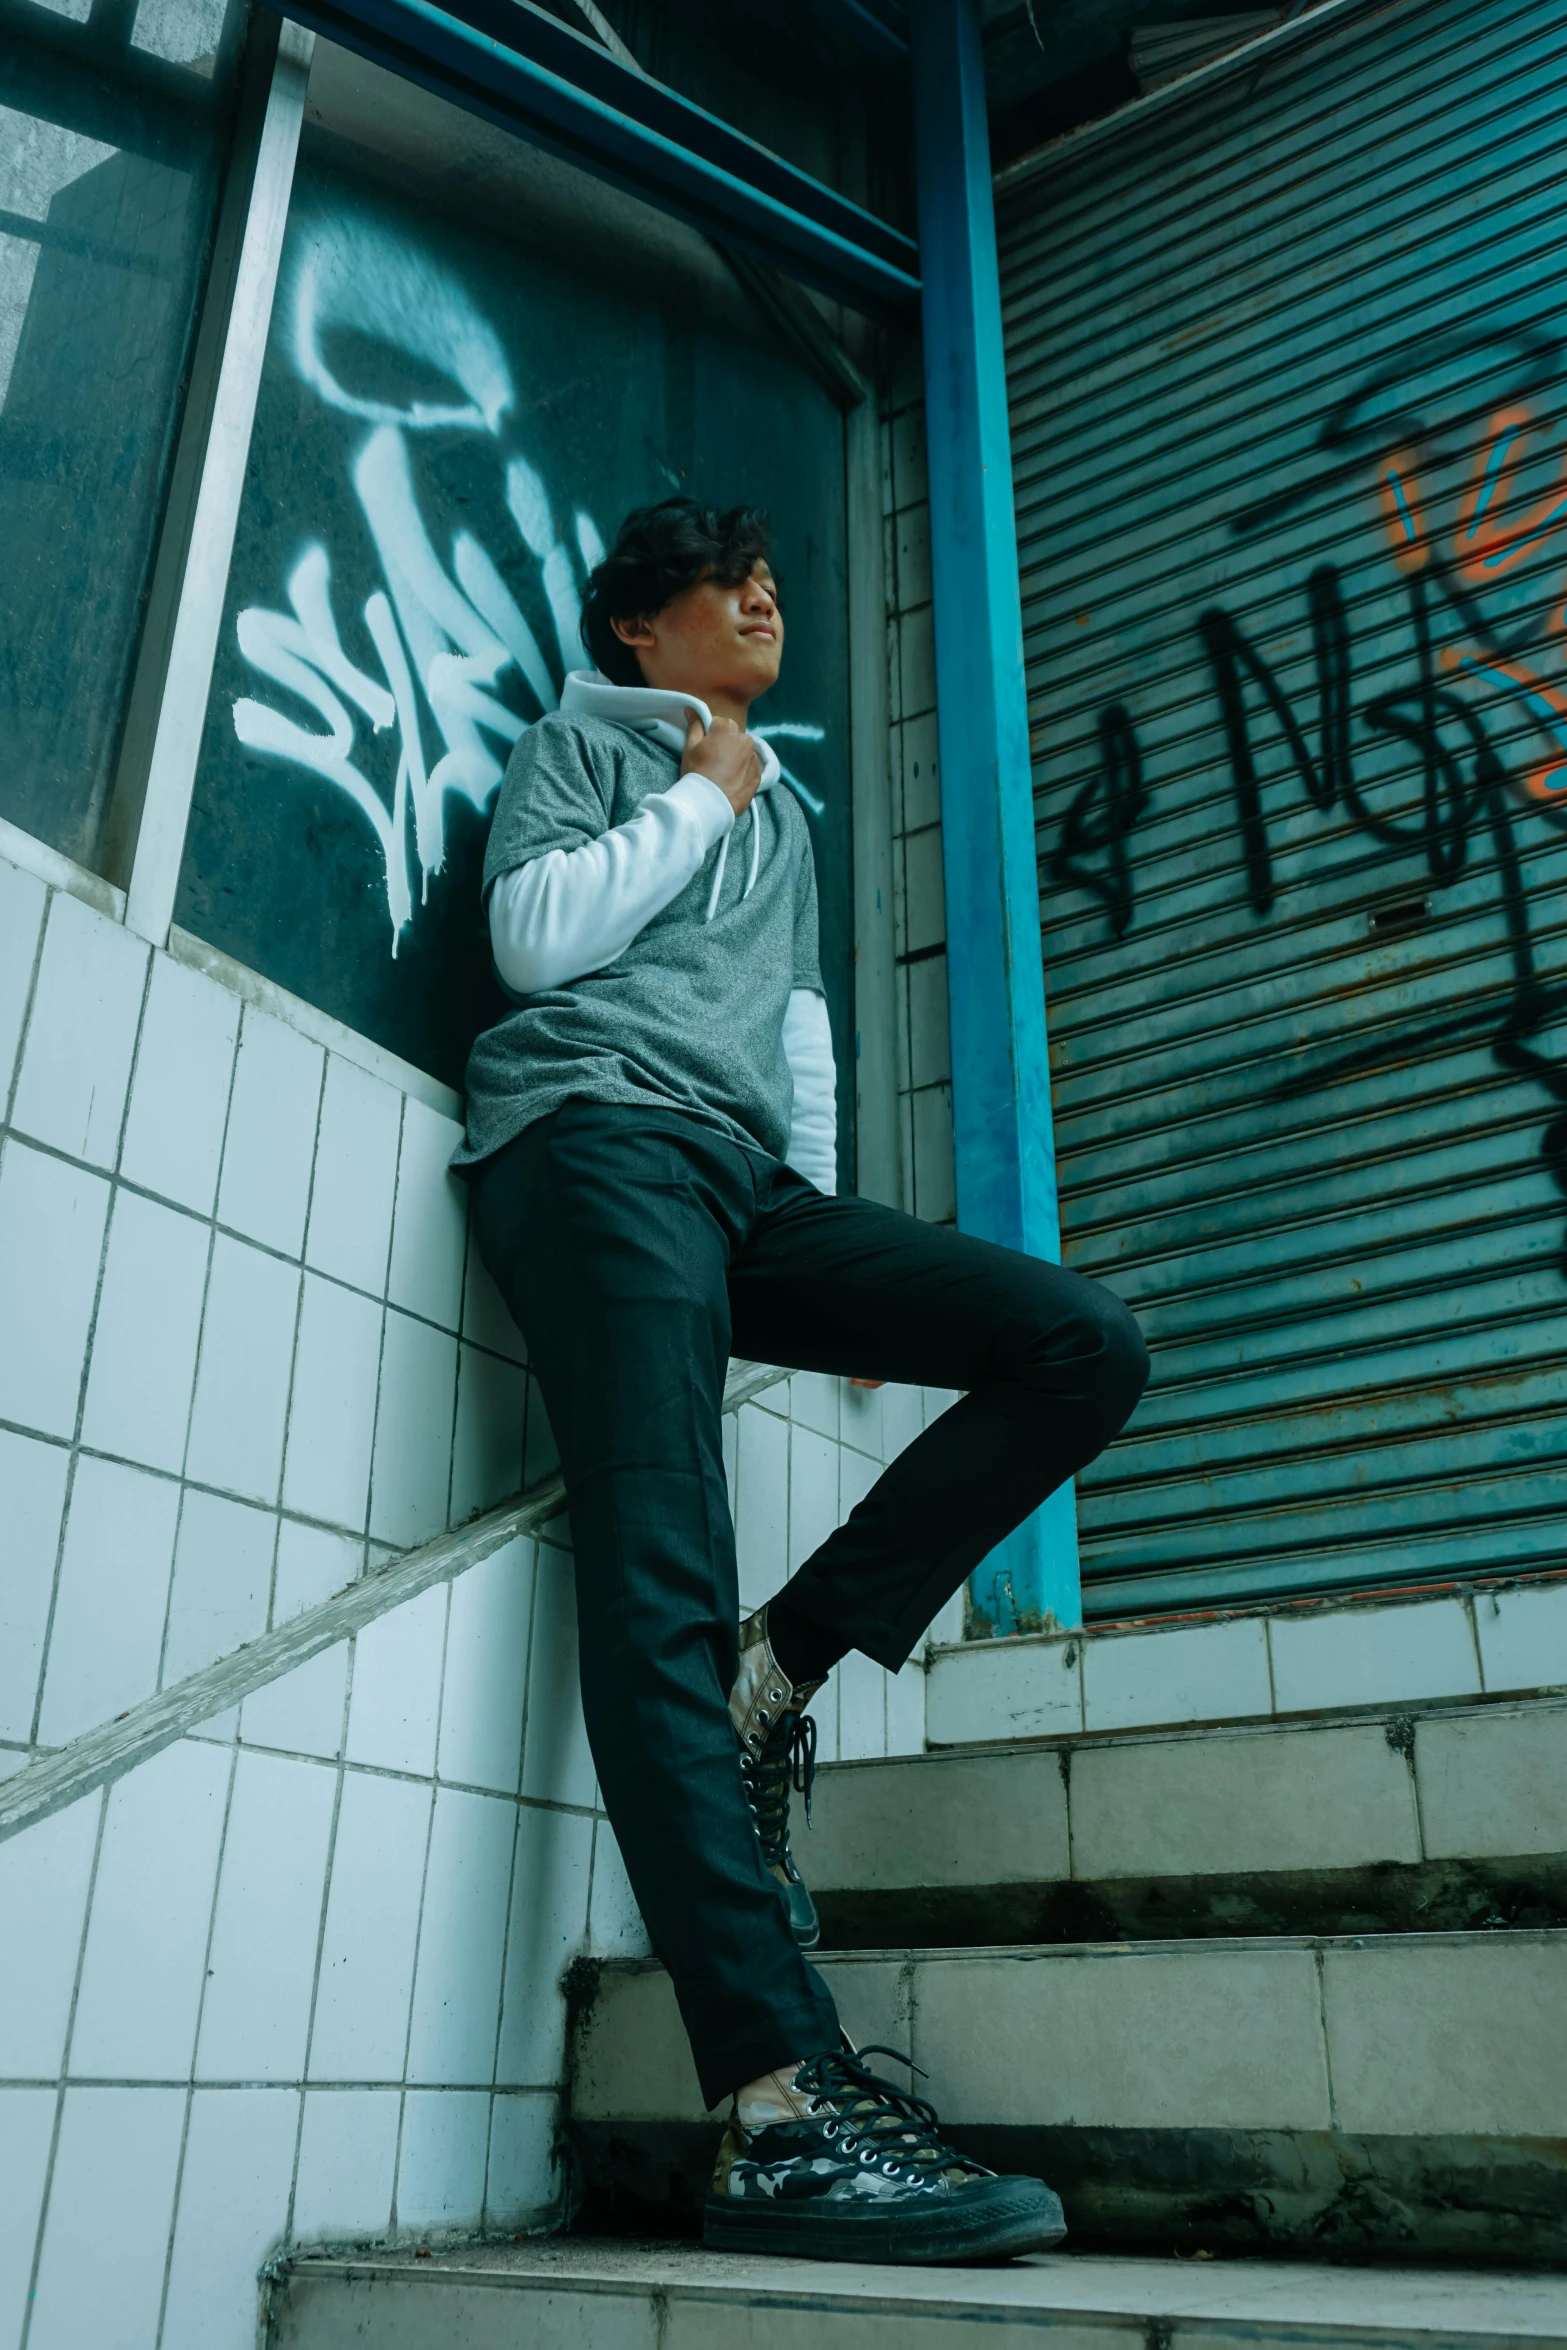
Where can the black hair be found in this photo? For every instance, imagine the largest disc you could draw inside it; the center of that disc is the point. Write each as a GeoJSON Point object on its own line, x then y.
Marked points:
{"type": "Point", "coordinates": [659, 552]}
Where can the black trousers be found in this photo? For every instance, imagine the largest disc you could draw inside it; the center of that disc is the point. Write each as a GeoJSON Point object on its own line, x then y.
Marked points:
{"type": "Point", "coordinates": [637, 1251]}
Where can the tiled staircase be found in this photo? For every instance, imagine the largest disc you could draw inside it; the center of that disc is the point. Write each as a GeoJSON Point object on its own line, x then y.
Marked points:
{"type": "Point", "coordinates": [1250, 1998]}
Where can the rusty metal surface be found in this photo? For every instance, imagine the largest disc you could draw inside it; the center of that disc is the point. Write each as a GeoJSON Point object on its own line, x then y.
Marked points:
{"type": "Point", "coordinates": [1287, 381]}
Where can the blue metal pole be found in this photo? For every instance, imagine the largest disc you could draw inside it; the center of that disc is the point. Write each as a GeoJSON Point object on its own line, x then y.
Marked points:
{"type": "Point", "coordinates": [1006, 1177]}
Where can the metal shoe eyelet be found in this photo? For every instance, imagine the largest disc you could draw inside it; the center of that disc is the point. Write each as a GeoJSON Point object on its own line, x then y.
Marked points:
{"type": "Point", "coordinates": [868, 2155]}
{"type": "Point", "coordinates": [762, 1714]}
{"type": "Point", "coordinates": [776, 1696]}
{"type": "Point", "coordinates": [752, 1739]}
{"type": "Point", "coordinates": [891, 2169]}
{"type": "Point", "coordinates": [829, 2129]}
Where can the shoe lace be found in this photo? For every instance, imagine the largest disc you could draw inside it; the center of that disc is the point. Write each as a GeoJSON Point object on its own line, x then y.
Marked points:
{"type": "Point", "coordinates": [874, 2118]}
{"type": "Point", "coordinates": [785, 1764]}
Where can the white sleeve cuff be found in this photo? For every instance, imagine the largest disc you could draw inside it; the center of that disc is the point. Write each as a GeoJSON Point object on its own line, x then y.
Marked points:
{"type": "Point", "coordinates": [813, 1126]}
{"type": "Point", "coordinates": [699, 797]}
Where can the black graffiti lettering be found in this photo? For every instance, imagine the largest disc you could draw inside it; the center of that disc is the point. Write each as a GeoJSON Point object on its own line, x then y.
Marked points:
{"type": "Point", "coordinates": [1086, 830]}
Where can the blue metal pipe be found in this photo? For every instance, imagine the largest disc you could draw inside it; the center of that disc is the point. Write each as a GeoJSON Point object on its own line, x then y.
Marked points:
{"type": "Point", "coordinates": [521, 68]}
{"type": "Point", "coordinates": [1006, 1177]}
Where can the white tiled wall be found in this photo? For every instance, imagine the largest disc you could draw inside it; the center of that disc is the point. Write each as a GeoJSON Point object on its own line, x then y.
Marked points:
{"type": "Point", "coordinates": [924, 1056]}
{"type": "Point", "coordinates": [1277, 1663]}
{"type": "Point", "coordinates": [298, 1976]}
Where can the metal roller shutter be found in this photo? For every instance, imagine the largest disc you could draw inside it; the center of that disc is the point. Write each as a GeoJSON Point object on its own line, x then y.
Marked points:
{"type": "Point", "coordinates": [1289, 384]}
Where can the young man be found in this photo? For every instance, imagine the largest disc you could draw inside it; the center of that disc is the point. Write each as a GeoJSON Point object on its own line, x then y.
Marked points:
{"type": "Point", "coordinates": [651, 1134]}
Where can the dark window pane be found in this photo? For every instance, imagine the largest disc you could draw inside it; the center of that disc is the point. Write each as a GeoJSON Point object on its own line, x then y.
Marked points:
{"type": "Point", "coordinates": [114, 123]}
{"type": "Point", "coordinates": [480, 359]}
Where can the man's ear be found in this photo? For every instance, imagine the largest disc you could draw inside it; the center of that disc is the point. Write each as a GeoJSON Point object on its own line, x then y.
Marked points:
{"type": "Point", "coordinates": [632, 632]}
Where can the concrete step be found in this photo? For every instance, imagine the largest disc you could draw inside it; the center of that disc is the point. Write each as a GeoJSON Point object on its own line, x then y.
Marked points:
{"type": "Point", "coordinates": [578, 2295]}
{"type": "Point", "coordinates": [1349, 2094]}
{"type": "Point", "coordinates": [1445, 1817]}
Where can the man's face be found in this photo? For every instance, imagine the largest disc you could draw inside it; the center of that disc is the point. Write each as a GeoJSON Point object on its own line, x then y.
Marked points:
{"type": "Point", "coordinates": [723, 644]}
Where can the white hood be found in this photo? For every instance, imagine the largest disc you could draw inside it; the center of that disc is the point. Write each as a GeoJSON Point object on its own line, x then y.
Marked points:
{"type": "Point", "coordinates": [648, 710]}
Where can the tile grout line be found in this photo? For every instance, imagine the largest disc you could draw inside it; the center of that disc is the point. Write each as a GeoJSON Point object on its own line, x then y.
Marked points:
{"type": "Point", "coordinates": [47, 2197]}
{"type": "Point", "coordinates": [108, 1178]}
{"type": "Point", "coordinates": [195, 2038]}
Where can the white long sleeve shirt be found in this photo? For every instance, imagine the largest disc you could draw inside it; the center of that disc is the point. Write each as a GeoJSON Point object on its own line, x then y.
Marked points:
{"type": "Point", "coordinates": [571, 912]}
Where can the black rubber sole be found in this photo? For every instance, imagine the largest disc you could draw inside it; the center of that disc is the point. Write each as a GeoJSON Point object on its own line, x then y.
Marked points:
{"type": "Point", "coordinates": [1000, 2221]}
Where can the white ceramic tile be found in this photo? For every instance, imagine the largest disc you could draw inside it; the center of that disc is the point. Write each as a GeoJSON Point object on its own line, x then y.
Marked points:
{"type": "Point", "coordinates": [356, 1177]}
{"type": "Point", "coordinates": [396, 1701]}
{"type": "Point", "coordinates": [910, 484]}
{"type": "Point", "coordinates": [1523, 1637]}
{"type": "Point", "coordinates": [492, 1402]}
{"type": "Point", "coordinates": [462, 1935]}
{"type": "Point", "coordinates": [556, 1764]}
{"type": "Point", "coordinates": [862, 1707]}
{"type": "Point", "coordinates": [902, 1418]}
{"type": "Point", "coordinates": [1435, 2036]}
{"type": "Point", "coordinates": [43, 1878]}
{"type": "Point", "coordinates": [247, 1345]}
{"type": "Point", "coordinates": [1195, 1673]}
{"type": "Point", "coordinates": [144, 1343]}
{"type": "Point", "coordinates": [930, 1049]}
{"type": "Point", "coordinates": [267, 1154]}
{"type": "Point", "coordinates": [430, 1231]}
{"type": "Point", "coordinates": [51, 1242]}
{"type": "Point", "coordinates": [935, 1184]}
{"type": "Point", "coordinates": [303, 1712]}
{"type": "Point", "coordinates": [487, 1670]}
{"type": "Point", "coordinates": [1004, 1689]}
{"type": "Point", "coordinates": [486, 1318]}
{"type": "Point", "coordinates": [22, 899]}
{"type": "Point", "coordinates": [440, 2175]}
{"type": "Point", "coordinates": [106, 2237]}
{"type": "Point", "coordinates": [856, 1475]}
{"type": "Point", "coordinates": [347, 2162]}
{"type": "Point", "coordinates": [1373, 1656]}
{"type": "Point", "coordinates": [813, 1493]}
{"type": "Point", "coordinates": [938, 1401]}
{"type": "Point", "coordinates": [372, 1926]}
{"type": "Point", "coordinates": [615, 1927]}
{"type": "Point", "coordinates": [76, 1060]}
{"type": "Point", "coordinates": [146, 1953]}
{"type": "Point", "coordinates": [814, 1402]}
{"type": "Point", "coordinates": [233, 2209]}
{"type": "Point", "coordinates": [860, 1419]}
{"type": "Point", "coordinates": [946, 1626]}
{"type": "Point", "coordinates": [222, 1581]}
{"type": "Point", "coordinates": [773, 1399]}
{"type": "Point", "coordinates": [921, 773]}
{"type": "Point", "coordinates": [219, 1729]}
{"type": "Point", "coordinates": [114, 1588]}
{"type": "Point", "coordinates": [729, 1438]}
{"type": "Point", "coordinates": [926, 910]}
{"type": "Point", "coordinates": [525, 2187]}
{"type": "Point", "coordinates": [549, 1925]}
{"type": "Point", "coordinates": [911, 544]}
{"type": "Point", "coordinates": [906, 1711]}
{"type": "Point", "coordinates": [267, 1921]}
{"type": "Point", "coordinates": [32, 1479]}
{"type": "Point", "coordinates": [411, 1475]}
{"type": "Point", "coordinates": [180, 1089]}
{"type": "Point", "coordinates": [761, 1511]}
{"type": "Point", "coordinates": [26, 2131]}
{"type": "Point", "coordinates": [331, 1422]}
{"type": "Point", "coordinates": [916, 661]}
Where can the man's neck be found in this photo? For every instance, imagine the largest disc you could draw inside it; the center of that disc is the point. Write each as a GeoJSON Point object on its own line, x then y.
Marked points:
{"type": "Point", "coordinates": [724, 705]}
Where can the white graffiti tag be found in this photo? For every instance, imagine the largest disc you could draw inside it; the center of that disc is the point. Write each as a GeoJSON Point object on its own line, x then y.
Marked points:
{"type": "Point", "coordinates": [452, 646]}
{"type": "Point", "coordinates": [448, 637]}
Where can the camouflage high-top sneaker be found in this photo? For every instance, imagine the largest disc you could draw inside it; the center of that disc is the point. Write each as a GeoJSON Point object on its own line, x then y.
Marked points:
{"type": "Point", "coordinates": [777, 1753]}
{"type": "Point", "coordinates": [853, 2169]}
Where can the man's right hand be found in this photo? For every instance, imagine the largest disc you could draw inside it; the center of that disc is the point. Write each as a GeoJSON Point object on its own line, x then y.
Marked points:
{"type": "Point", "coordinates": [726, 755]}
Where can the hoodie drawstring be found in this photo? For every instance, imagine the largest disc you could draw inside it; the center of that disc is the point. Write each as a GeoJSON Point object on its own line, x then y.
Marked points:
{"type": "Point", "coordinates": [757, 805]}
